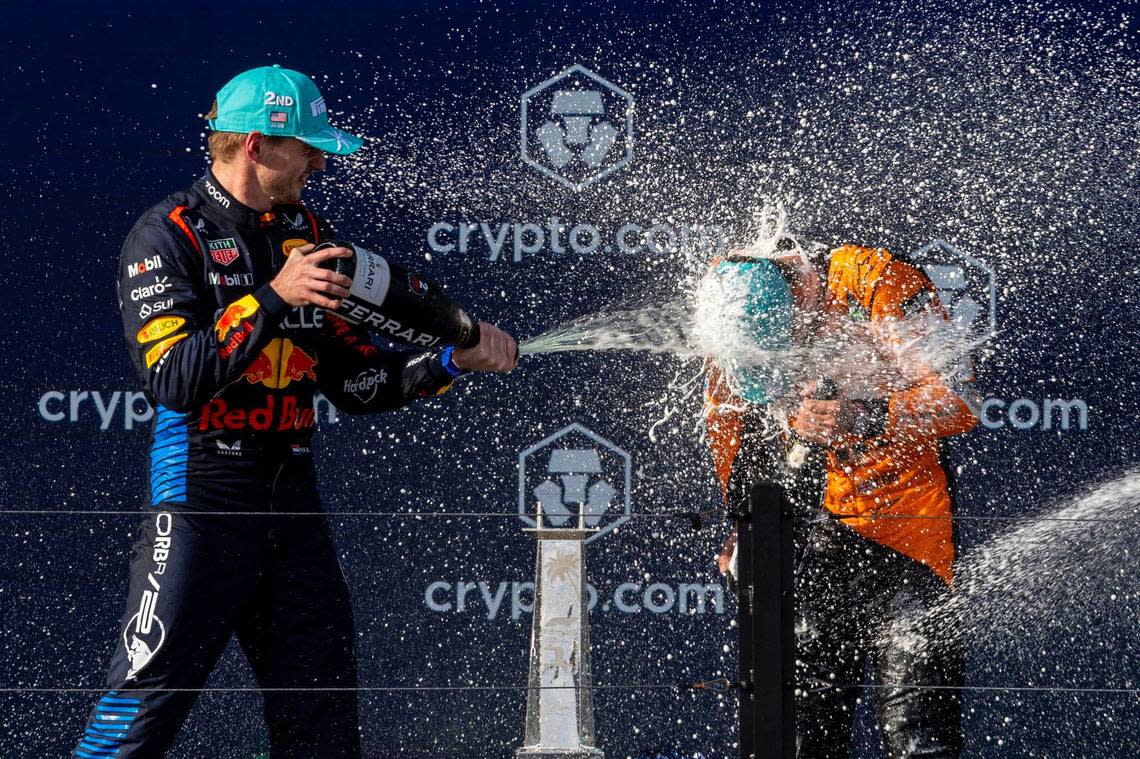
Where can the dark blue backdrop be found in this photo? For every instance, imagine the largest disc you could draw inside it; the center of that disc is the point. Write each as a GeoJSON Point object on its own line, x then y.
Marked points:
{"type": "Point", "coordinates": [1008, 130]}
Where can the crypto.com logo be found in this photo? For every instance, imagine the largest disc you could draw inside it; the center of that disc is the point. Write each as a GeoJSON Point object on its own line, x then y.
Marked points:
{"type": "Point", "coordinates": [577, 127]}
{"type": "Point", "coordinates": [965, 286]}
{"type": "Point", "coordinates": [575, 472]}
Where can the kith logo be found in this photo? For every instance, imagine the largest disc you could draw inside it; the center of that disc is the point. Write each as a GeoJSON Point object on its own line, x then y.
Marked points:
{"type": "Point", "coordinates": [224, 251]}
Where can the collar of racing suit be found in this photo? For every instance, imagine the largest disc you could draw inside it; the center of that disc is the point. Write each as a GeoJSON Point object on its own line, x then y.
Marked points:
{"type": "Point", "coordinates": [231, 210]}
{"type": "Point", "coordinates": [856, 272]}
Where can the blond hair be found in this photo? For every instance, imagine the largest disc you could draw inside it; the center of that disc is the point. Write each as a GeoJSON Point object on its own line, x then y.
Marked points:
{"type": "Point", "coordinates": [224, 146]}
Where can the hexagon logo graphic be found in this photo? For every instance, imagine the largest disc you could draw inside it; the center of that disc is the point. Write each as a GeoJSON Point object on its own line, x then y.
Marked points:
{"type": "Point", "coordinates": [966, 286]}
{"type": "Point", "coordinates": [577, 127]}
{"type": "Point", "coordinates": [575, 472]}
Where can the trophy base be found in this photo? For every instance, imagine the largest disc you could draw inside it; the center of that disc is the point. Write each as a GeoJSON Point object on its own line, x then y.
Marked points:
{"type": "Point", "coordinates": [542, 752]}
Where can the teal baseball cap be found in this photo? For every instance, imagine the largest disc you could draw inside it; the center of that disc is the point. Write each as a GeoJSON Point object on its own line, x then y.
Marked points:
{"type": "Point", "coordinates": [767, 311]}
{"type": "Point", "coordinates": [281, 103]}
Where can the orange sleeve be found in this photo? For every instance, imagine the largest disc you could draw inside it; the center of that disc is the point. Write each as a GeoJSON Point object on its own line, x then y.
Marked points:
{"type": "Point", "coordinates": [724, 419]}
{"type": "Point", "coordinates": [930, 408]}
{"type": "Point", "coordinates": [724, 423]}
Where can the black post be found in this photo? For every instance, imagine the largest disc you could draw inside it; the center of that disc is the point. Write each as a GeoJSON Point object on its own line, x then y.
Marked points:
{"type": "Point", "coordinates": [767, 626]}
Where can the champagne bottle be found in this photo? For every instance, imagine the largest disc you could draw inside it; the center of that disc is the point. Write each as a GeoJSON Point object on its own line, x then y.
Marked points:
{"type": "Point", "coordinates": [399, 304]}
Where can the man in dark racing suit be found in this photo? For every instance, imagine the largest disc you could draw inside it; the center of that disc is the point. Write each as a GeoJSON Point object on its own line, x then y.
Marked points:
{"type": "Point", "coordinates": [224, 313]}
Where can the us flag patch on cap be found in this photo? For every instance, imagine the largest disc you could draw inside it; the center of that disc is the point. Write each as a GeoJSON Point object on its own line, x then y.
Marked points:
{"type": "Point", "coordinates": [278, 118]}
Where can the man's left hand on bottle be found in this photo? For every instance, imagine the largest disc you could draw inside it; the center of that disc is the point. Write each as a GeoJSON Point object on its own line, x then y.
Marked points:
{"type": "Point", "coordinates": [496, 352]}
{"type": "Point", "coordinates": [302, 281]}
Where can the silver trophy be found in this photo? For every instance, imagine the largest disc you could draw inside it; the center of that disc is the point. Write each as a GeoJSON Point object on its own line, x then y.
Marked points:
{"type": "Point", "coordinates": [560, 707]}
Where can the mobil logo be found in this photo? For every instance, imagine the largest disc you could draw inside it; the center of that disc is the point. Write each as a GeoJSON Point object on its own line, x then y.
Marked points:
{"type": "Point", "coordinates": [229, 280]}
{"type": "Point", "coordinates": [144, 266]}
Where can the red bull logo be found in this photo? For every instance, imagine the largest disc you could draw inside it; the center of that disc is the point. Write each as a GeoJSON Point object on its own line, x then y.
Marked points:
{"type": "Point", "coordinates": [298, 364]}
{"type": "Point", "coordinates": [289, 415]}
{"type": "Point", "coordinates": [280, 363]}
{"type": "Point", "coordinates": [236, 339]}
{"type": "Point", "coordinates": [241, 309]}
{"type": "Point", "coordinates": [233, 327]}
{"type": "Point", "coordinates": [260, 370]}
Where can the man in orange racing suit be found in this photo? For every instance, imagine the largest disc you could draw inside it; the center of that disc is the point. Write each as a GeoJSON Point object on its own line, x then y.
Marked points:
{"type": "Point", "coordinates": [882, 555]}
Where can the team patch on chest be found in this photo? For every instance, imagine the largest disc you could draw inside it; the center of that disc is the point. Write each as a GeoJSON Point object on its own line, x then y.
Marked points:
{"type": "Point", "coordinates": [224, 251]}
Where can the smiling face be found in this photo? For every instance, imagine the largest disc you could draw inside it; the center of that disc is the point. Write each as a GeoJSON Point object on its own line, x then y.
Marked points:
{"type": "Point", "coordinates": [284, 165]}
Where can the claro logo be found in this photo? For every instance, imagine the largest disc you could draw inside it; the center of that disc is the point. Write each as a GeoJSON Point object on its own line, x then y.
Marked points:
{"type": "Point", "coordinates": [123, 409]}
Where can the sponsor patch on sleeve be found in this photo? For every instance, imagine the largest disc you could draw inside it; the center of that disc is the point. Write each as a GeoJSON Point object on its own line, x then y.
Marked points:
{"type": "Point", "coordinates": [160, 327]}
{"type": "Point", "coordinates": [235, 314]}
{"type": "Point", "coordinates": [158, 351]}
{"type": "Point", "coordinates": [292, 244]}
